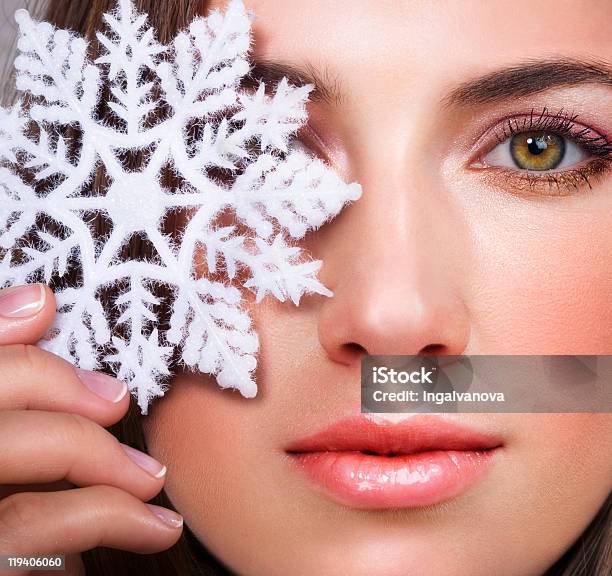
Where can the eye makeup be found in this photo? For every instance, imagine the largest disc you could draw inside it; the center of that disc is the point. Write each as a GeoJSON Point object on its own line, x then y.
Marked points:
{"type": "Point", "coordinates": [537, 148]}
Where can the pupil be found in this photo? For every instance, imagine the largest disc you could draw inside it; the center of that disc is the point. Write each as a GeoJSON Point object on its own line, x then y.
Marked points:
{"type": "Point", "coordinates": [536, 145]}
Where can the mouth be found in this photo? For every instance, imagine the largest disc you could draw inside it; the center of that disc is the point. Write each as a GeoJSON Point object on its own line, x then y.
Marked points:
{"type": "Point", "coordinates": [420, 461]}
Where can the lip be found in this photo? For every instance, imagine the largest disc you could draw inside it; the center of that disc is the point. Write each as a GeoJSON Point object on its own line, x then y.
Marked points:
{"type": "Point", "coordinates": [420, 461]}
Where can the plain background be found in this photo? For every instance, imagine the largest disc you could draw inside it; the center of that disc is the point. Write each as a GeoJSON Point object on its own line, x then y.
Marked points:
{"type": "Point", "coordinates": [8, 30]}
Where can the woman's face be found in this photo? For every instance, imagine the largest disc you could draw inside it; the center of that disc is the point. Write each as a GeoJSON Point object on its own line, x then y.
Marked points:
{"type": "Point", "coordinates": [452, 249]}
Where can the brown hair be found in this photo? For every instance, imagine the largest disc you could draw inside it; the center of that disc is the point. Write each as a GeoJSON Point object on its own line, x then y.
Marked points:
{"type": "Point", "coordinates": [590, 555]}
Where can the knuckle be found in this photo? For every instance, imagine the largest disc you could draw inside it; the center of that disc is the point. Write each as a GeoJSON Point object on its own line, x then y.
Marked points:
{"type": "Point", "coordinates": [19, 360]}
{"type": "Point", "coordinates": [104, 503]}
{"type": "Point", "coordinates": [26, 372]}
{"type": "Point", "coordinates": [105, 493]}
{"type": "Point", "coordinates": [70, 430]}
{"type": "Point", "coordinates": [18, 513]}
{"type": "Point", "coordinates": [34, 357]}
{"type": "Point", "coordinates": [107, 504]}
{"type": "Point", "coordinates": [111, 502]}
{"type": "Point", "coordinates": [79, 427]}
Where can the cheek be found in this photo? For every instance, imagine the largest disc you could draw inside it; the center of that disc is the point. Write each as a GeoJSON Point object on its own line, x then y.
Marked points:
{"type": "Point", "coordinates": [574, 447]}
{"type": "Point", "coordinates": [212, 442]}
{"type": "Point", "coordinates": [542, 278]}
{"type": "Point", "coordinates": [555, 475]}
{"type": "Point", "coordinates": [226, 474]}
{"type": "Point", "coordinates": [561, 467]}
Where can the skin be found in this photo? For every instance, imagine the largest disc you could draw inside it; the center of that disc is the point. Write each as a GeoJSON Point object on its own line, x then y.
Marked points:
{"type": "Point", "coordinates": [464, 263]}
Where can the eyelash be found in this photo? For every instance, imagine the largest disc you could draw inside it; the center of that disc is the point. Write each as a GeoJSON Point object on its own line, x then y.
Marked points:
{"type": "Point", "coordinates": [558, 183]}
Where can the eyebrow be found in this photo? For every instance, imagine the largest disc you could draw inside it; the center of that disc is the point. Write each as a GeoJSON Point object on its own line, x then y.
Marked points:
{"type": "Point", "coordinates": [327, 85]}
{"type": "Point", "coordinates": [528, 77]}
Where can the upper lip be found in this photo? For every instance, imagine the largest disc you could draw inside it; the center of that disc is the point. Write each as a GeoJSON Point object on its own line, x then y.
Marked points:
{"type": "Point", "coordinates": [416, 434]}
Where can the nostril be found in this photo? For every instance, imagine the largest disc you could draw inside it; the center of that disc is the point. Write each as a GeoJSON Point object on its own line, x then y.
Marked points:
{"type": "Point", "coordinates": [433, 349]}
{"type": "Point", "coordinates": [354, 348]}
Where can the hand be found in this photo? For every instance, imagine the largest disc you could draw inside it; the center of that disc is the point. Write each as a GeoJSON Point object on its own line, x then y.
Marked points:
{"type": "Point", "coordinates": [52, 438]}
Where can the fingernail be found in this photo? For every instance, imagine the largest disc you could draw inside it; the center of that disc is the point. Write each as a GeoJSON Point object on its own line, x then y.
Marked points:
{"type": "Point", "coordinates": [104, 386]}
{"type": "Point", "coordinates": [168, 516]}
{"type": "Point", "coordinates": [22, 301]}
{"type": "Point", "coordinates": [145, 461]}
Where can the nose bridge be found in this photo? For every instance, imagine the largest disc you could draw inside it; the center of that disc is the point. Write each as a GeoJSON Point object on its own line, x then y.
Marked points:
{"type": "Point", "coordinates": [404, 207]}
{"type": "Point", "coordinates": [408, 228]}
{"type": "Point", "coordinates": [397, 288]}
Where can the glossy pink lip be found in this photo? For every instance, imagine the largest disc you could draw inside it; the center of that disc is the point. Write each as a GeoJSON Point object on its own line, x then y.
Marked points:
{"type": "Point", "coordinates": [418, 462]}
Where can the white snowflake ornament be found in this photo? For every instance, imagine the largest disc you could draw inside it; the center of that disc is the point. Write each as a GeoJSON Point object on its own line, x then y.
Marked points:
{"type": "Point", "coordinates": [183, 108]}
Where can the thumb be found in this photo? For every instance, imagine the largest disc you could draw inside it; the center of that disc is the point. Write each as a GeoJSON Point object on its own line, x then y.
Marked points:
{"type": "Point", "coordinates": [26, 312]}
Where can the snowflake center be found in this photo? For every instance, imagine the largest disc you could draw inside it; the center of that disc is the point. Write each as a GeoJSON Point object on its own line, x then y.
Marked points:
{"type": "Point", "coordinates": [135, 202]}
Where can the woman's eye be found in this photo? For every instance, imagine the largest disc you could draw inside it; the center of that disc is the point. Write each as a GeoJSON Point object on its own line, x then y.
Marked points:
{"type": "Point", "coordinates": [536, 151]}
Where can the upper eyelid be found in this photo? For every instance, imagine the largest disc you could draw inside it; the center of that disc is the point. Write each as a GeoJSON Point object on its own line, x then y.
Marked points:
{"type": "Point", "coordinates": [489, 138]}
{"type": "Point", "coordinates": [551, 123]}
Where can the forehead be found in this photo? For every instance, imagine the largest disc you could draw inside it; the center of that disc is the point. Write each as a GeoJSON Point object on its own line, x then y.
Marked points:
{"type": "Point", "coordinates": [433, 34]}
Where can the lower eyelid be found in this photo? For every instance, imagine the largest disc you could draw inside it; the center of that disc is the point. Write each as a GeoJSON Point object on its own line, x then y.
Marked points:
{"type": "Point", "coordinates": [546, 183]}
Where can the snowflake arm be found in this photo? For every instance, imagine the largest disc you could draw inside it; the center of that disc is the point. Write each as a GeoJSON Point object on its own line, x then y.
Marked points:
{"type": "Point", "coordinates": [181, 107]}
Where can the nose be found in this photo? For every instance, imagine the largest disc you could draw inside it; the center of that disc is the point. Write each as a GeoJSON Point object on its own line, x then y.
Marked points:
{"type": "Point", "coordinates": [394, 261]}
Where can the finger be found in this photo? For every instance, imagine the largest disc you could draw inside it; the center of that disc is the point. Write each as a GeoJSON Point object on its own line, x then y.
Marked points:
{"type": "Point", "coordinates": [26, 312]}
{"type": "Point", "coordinates": [34, 379]}
{"type": "Point", "coordinates": [40, 447]}
{"type": "Point", "coordinates": [81, 519]}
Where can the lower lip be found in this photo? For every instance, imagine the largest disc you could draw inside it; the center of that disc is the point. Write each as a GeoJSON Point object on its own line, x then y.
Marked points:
{"type": "Point", "coordinates": [377, 481]}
